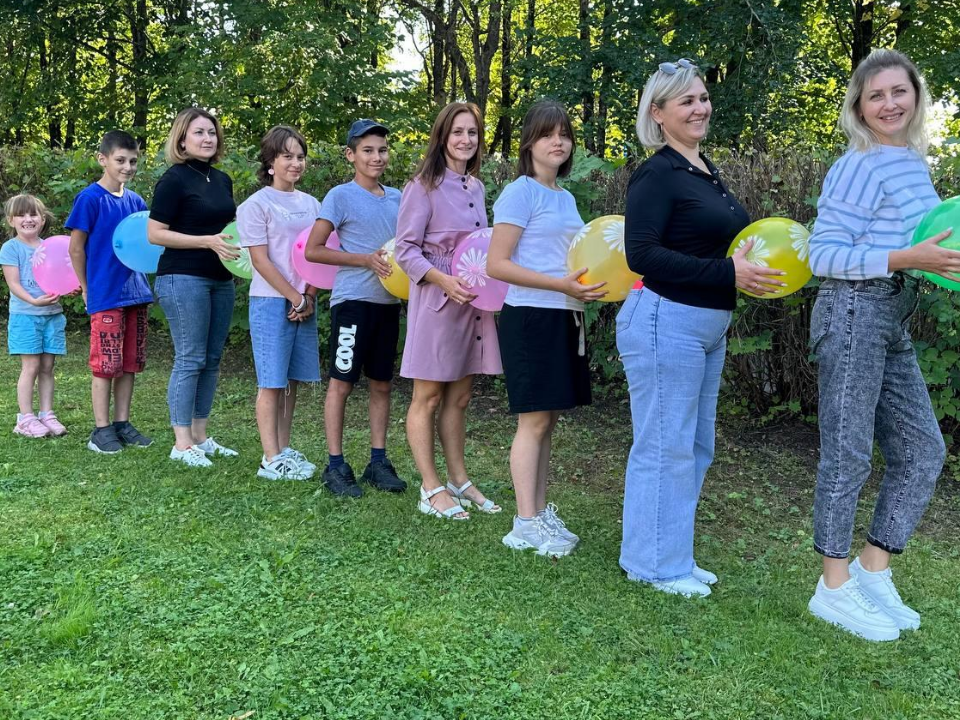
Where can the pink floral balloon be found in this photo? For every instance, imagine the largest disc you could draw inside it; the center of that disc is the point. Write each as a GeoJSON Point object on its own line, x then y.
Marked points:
{"type": "Point", "coordinates": [470, 265]}
{"type": "Point", "coordinates": [317, 274]}
{"type": "Point", "coordinates": [52, 268]}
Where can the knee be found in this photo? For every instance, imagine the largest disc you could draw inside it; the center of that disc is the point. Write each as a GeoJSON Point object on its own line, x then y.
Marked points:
{"type": "Point", "coordinates": [539, 425]}
{"type": "Point", "coordinates": [46, 364]}
{"type": "Point", "coordinates": [379, 388]}
{"type": "Point", "coordinates": [339, 390]}
{"type": "Point", "coordinates": [427, 403]}
{"type": "Point", "coordinates": [460, 401]}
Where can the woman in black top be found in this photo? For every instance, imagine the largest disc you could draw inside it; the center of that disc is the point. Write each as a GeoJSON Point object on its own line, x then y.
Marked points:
{"type": "Point", "coordinates": [680, 220]}
{"type": "Point", "coordinates": [192, 203]}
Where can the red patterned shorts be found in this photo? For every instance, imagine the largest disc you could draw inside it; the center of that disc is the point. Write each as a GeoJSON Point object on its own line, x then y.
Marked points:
{"type": "Point", "coordinates": [118, 341]}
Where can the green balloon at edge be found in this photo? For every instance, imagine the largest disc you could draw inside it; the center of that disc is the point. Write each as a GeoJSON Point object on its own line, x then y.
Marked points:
{"type": "Point", "coordinates": [944, 216]}
{"type": "Point", "coordinates": [242, 266]}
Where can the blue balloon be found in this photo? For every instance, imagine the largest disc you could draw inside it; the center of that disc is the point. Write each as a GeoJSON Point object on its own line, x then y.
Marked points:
{"type": "Point", "coordinates": [131, 246]}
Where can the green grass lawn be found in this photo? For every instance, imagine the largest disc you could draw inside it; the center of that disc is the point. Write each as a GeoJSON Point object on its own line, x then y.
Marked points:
{"type": "Point", "coordinates": [131, 587]}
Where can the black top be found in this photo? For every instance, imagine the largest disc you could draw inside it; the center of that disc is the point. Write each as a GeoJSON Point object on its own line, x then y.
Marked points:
{"type": "Point", "coordinates": [184, 200]}
{"type": "Point", "coordinates": [680, 222]}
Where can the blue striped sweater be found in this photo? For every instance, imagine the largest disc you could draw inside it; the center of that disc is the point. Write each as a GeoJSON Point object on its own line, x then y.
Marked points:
{"type": "Point", "coordinates": [870, 205]}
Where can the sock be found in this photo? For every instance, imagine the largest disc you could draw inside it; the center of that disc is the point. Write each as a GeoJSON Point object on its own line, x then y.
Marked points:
{"type": "Point", "coordinates": [21, 416]}
{"type": "Point", "coordinates": [43, 413]}
{"type": "Point", "coordinates": [336, 461]}
{"type": "Point", "coordinates": [518, 520]}
{"type": "Point", "coordinates": [120, 423]}
{"type": "Point", "coordinates": [378, 455]}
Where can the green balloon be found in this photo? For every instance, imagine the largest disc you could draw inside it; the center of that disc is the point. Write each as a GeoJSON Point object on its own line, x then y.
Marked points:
{"type": "Point", "coordinates": [243, 265]}
{"type": "Point", "coordinates": [944, 216]}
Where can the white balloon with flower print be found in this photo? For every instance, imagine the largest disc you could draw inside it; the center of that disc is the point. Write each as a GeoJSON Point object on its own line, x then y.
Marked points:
{"type": "Point", "coordinates": [470, 265]}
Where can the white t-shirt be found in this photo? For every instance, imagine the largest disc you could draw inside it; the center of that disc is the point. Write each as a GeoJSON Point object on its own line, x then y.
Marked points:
{"type": "Point", "coordinates": [274, 218]}
{"type": "Point", "coordinates": [550, 220]}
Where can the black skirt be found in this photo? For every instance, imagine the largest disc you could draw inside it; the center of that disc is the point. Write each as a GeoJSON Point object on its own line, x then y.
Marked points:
{"type": "Point", "coordinates": [544, 353]}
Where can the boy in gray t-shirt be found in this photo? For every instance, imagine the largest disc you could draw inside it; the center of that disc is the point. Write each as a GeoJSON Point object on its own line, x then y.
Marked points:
{"type": "Point", "coordinates": [364, 317]}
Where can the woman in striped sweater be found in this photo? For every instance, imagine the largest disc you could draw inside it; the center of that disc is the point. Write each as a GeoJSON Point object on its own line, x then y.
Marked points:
{"type": "Point", "coordinates": [870, 383]}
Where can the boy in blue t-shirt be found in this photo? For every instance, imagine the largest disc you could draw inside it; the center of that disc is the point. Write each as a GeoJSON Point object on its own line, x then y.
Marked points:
{"type": "Point", "coordinates": [364, 317]}
{"type": "Point", "coordinates": [116, 296]}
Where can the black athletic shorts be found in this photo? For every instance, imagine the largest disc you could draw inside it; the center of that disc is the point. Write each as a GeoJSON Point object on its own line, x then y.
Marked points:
{"type": "Point", "coordinates": [545, 361]}
{"type": "Point", "coordinates": [363, 336]}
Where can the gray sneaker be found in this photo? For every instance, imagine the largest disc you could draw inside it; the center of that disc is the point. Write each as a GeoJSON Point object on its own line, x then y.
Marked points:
{"type": "Point", "coordinates": [105, 441]}
{"type": "Point", "coordinates": [539, 535]}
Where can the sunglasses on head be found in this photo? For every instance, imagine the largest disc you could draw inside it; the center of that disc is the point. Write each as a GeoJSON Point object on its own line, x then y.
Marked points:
{"type": "Point", "coordinates": [669, 68]}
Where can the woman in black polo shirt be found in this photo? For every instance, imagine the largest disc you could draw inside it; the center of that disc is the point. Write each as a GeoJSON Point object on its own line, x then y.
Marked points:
{"type": "Point", "coordinates": [192, 203]}
{"type": "Point", "coordinates": [680, 220]}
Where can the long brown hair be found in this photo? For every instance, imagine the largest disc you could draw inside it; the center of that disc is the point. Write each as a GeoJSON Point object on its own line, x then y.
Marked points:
{"type": "Point", "coordinates": [434, 163]}
{"type": "Point", "coordinates": [274, 144]}
{"type": "Point", "coordinates": [541, 120]}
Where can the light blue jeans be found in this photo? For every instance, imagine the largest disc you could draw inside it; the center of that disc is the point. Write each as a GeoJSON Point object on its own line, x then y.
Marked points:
{"type": "Point", "coordinates": [673, 355]}
{"type": "Point", "coordinates": [199, 311]}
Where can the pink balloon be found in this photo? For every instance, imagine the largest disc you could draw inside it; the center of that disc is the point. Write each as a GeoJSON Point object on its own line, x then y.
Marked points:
{"type": "Point", "coordinates": [317, 274]}
{"type": "Point", "coordinates": [470, 265]}
{"type": "Point", "coordinates": [52, 268]}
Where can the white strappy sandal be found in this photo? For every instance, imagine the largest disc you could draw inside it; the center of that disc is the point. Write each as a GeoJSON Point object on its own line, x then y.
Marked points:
{"type": "Point", "coordinates": [428, 509]}
{"type": "Point", "coordinates": [489, 506]}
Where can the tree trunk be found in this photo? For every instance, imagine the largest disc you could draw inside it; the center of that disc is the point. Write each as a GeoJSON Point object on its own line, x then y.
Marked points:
{"type": "Point", "coordinates": [586, 62]}
{"type": "Point", "coordinates": [141, 94]}
{"type": "Point", "coordinates": [606, 78]}
{"type": "Point", "coordinates": [54, 131]}
{"type": "Point", "coordinates": [505, 124]}
{"type": "Point", "coordinates": [861, 41]}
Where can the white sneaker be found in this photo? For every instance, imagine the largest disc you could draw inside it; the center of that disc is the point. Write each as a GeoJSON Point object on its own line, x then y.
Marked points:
{"type": "Point", "coordinates": [549, 514]}
{"type": "Point", "coordinates": [300, 459]}
{"type": "Point", "coordinates": [850, 608]}
{"type": "Point", "coordinates": [879, 587]}
{"type": "Point", "coordinates": [282, 467]}
{"type": "Point", "coordinates": [688, 586]}
{"type": "Point", "coordinates": [704, 576]}
{"type": "Point", "coordinates": [192, 456]}
{"type": "Point", "coordinates": [537, 534]}
{"type": "Point", "coordinates": [211, 447]}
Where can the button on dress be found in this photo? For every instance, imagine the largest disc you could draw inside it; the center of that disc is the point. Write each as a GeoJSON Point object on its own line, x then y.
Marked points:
{"type": "Point", "coordinates": [445, 341]}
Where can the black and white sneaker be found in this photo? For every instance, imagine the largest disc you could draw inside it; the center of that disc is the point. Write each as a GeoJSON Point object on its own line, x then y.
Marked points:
{"type": "Point", "coordinates": [105, 441]}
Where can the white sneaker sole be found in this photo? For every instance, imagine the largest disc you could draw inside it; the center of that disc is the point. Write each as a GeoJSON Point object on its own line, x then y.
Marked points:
{"type": "Point", "coordinates": [91, 445]}
{"type": "Point", "coordinates": [820, 609]}
{"type": "Point", "coordinates": [515, 543]}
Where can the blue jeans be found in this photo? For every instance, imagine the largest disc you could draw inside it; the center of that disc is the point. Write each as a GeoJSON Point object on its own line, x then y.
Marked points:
{"type": "Point", "coordinates": [673, 355]}
{"type": "Point", "coordinates": [871, 388]}
{"type": "Point", "coordinates": [199, 311]}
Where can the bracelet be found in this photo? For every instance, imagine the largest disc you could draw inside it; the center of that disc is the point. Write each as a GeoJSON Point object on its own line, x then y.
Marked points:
{"type": "Point", "coordinates": [303, 304]}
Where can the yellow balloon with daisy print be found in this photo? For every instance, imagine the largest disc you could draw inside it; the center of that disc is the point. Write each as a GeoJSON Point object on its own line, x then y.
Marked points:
{"type": "Point", "coordinates": [599, 248]}
{"type": "Point", "coordinates": [780, 244]}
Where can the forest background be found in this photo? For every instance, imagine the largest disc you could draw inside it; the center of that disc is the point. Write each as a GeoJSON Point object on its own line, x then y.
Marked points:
{"type": "Point", "coordinates": [776, 71]}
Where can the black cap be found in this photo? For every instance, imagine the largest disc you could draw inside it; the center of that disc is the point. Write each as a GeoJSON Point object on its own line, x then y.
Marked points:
{"type": "Point", "coordinates": [362, 127]}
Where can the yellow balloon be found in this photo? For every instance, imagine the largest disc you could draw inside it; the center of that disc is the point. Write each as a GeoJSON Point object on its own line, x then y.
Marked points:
{"type": "Point", "coordinates": [397, 283]}
{"type": "Point", "coordinates": [780, 244]}
{"type": "Point", "coordinates": [599, 248]}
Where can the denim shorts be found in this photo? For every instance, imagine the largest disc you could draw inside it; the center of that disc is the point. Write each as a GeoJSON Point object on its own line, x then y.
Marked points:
{"type": "Point", "coordinates": [37, 334]}
{"type": "Point", "coordinates": [283, 350]}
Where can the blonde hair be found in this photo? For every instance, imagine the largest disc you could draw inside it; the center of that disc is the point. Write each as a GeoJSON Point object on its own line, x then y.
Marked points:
{"type": "Point", "coordinates": [851, 118]}
{"type": "Point", "coordinates": [24, 204]}
{"type": "Point", "coordinates": [173, 150]}
{"type": "Point", "coordinates": [661, 88]}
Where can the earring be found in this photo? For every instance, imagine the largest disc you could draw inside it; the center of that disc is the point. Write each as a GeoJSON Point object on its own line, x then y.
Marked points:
{"type": "Point", "coordinates": [270, 171]}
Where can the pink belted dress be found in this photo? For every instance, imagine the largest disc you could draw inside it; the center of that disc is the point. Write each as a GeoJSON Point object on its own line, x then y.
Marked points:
{"type": "Point", "coordinates": [445, 341]}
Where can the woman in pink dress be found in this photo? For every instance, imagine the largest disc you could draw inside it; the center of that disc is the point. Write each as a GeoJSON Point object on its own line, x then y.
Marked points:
{"type": "Point", "coordinates": [448, 340]}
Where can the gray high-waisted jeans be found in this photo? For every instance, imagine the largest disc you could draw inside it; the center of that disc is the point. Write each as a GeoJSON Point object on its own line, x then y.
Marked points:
{"type": "Point", "coordinates": [871, 388]}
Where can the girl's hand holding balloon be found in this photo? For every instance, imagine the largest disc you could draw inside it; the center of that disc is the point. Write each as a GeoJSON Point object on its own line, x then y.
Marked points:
{"type": "Point", "coordinates": [928, 255]}
{"type": "Point", "coordinates": [455, 288]}
{"type": "Point", "coordinates": [377, 261]}
{"type": "Point", "coordinates": [218, 243]}
{"type": "Point", "coordinates": [755, 279]}
{"type": "Point", "coordinates": [570, 285]}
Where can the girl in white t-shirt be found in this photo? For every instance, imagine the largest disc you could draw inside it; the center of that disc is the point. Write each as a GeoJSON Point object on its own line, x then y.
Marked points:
{"type": "Point", "coordinates": [541, 332]}
{"type": "Point", "coordinates": [283, 324]}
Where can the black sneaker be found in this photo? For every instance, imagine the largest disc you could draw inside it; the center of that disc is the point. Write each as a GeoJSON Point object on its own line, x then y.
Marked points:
{"type": "Point", "coordinates": [104, 440]}
{"type": "Point", "coordinates": [341, 481]}
{"type": "Point", "coordinates": [129, 435]}
{"type": "Point", "coordinates": [383, 476]}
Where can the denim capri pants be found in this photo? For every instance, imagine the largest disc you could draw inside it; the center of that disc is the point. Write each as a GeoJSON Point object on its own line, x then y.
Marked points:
{"type": "Point", "coordinates": [283, 350]}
